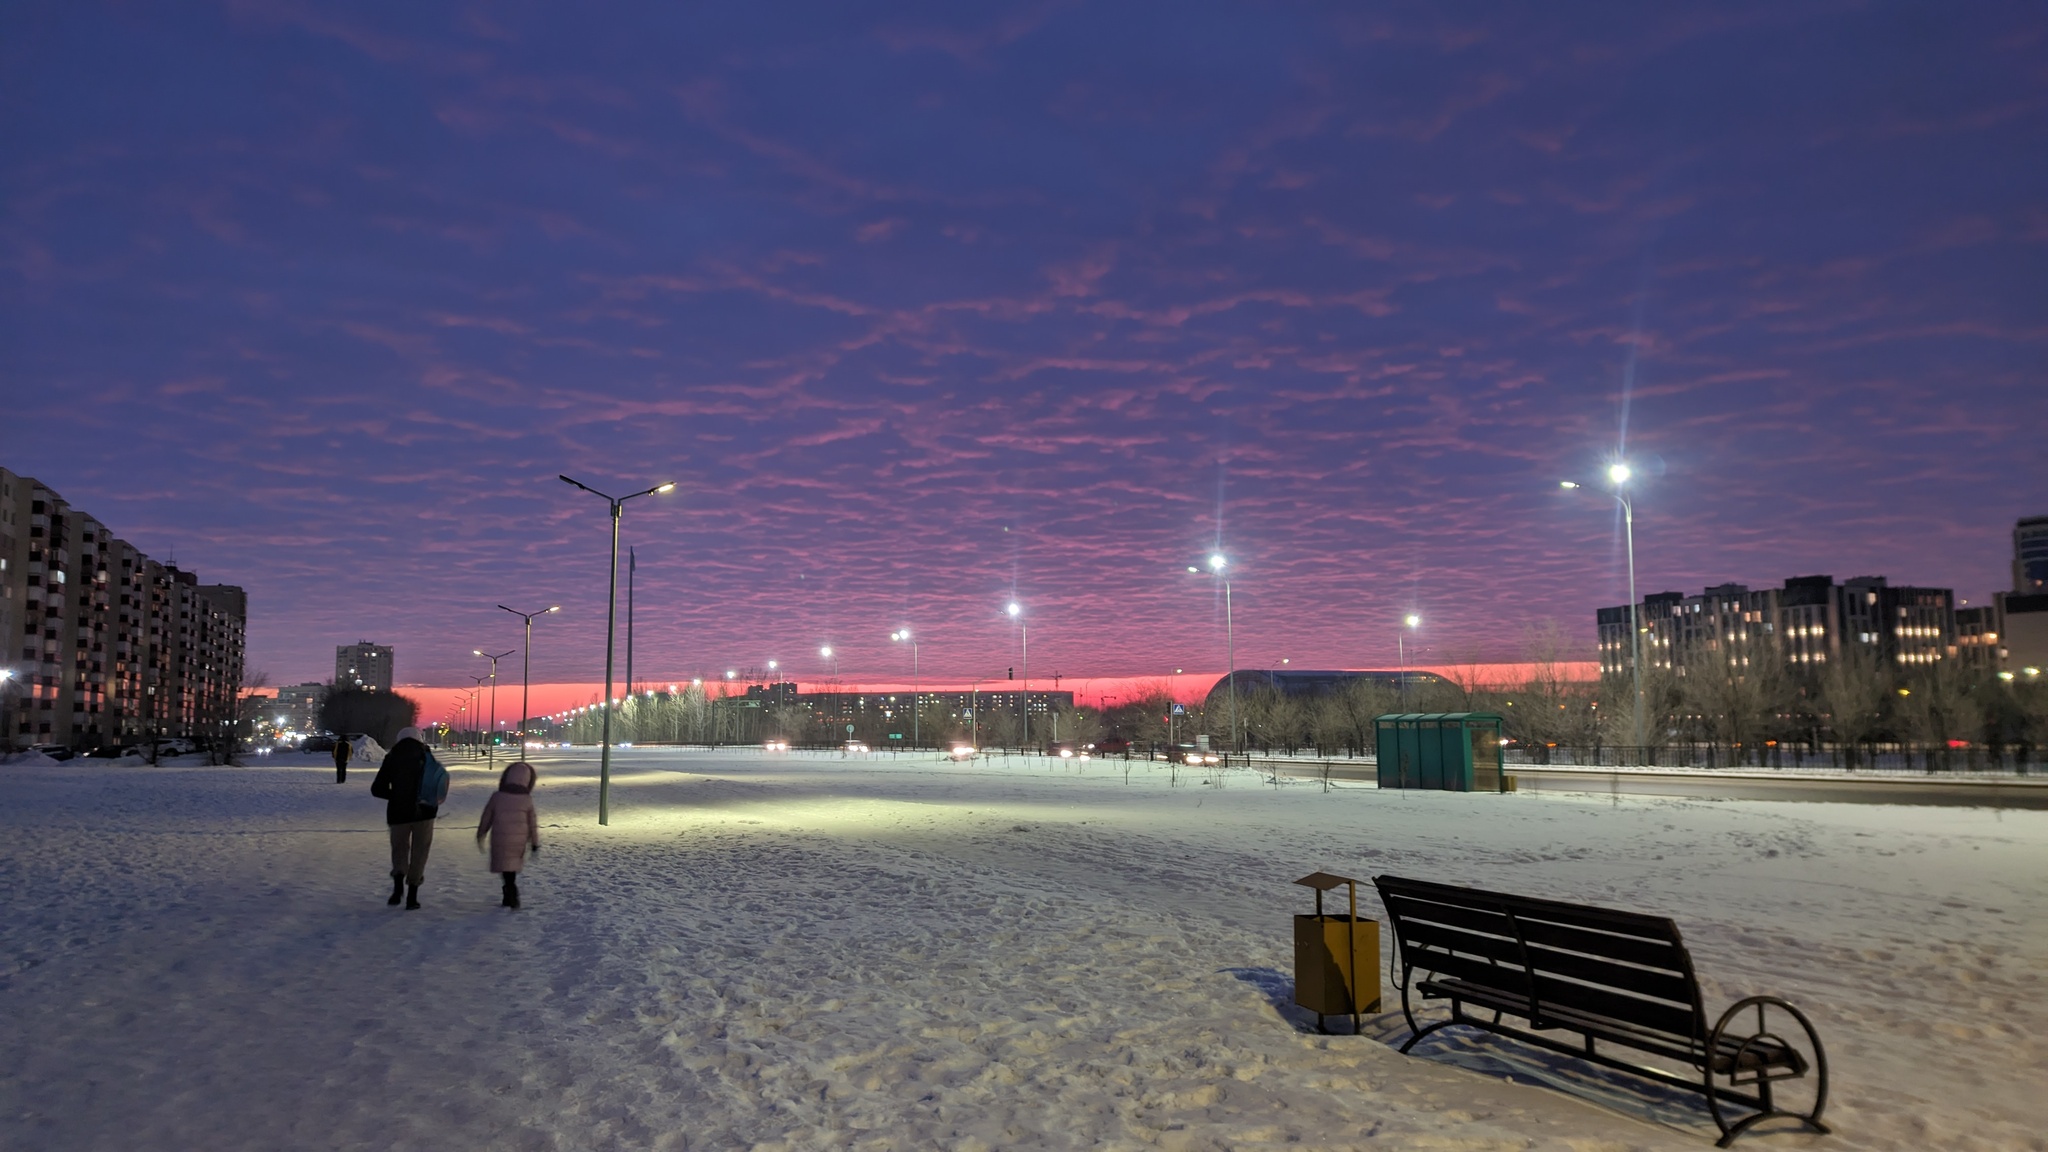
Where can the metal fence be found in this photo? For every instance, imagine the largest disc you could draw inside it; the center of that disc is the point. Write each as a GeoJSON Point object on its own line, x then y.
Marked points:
{"type": "Point", "coordinates": [1876, 759]}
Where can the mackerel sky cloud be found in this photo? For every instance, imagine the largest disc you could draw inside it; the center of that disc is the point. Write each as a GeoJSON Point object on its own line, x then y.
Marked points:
{"type": "Point", "coordinates": [926, 307]}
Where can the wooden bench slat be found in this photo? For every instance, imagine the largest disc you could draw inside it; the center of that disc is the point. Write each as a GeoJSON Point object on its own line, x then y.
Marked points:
{"type": "Point", "coordinates": [1506, 951]}
{"type": "Point", "coordinates": [1659, 983]}
{"type": "Point", "coordinates": [1476, 919]}
{"type": "Point", "coordinates": [1665, 956]}
{"type": "Point", "coordinates": [1510, 978]}
{"type": "Point", "coordinates": [1656, 1015]}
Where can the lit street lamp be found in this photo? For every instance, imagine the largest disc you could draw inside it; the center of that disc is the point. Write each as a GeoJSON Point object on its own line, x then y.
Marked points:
{"type": "Point", "coordinates": [611, 622]}
{"type": "Point", "coordinates": [492, 743]}
{"type": "Point", "coordinates": [1618, 475]}
{"type": "Point", "coordinates": [1218, 565]}
{"type": "Point", "coordinates": [903, 636]}
{"type": "Point", "coordinates": [526, 669]}
{"type": "Point", "coordinates": [1016, 611]}
{"type": "Point", "coordinates": [1401, 646]}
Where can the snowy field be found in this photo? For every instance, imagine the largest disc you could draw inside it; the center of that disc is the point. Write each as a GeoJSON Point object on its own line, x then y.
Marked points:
{"type": "Point", "coordinates": [810, 952]}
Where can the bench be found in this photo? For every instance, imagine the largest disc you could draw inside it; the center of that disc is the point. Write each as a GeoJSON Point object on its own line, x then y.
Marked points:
{"type": "Point", "coordinates": [1615, 978]}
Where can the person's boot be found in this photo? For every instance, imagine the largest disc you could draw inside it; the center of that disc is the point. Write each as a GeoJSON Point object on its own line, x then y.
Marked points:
{"type": "Point", "coordinates": [412, 897]}
{"type": "Point", "coordinates": [511, 890]}
{"type": "Point", "coordinates": [397, 887]}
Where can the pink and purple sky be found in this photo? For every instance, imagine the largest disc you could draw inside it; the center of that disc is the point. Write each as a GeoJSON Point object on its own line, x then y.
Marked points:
{"type": "Point", "coordinates": [926, 307]}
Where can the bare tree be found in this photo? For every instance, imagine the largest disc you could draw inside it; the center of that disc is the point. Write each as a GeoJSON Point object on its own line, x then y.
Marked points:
{"type": "Point", "coordinates": [1851, 693]}
{"type": "Point", "coordinates": [1937, 705]}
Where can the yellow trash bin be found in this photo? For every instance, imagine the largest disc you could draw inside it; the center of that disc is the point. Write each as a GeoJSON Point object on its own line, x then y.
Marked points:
{"type": "Point", "coordinates": [1336, 957]}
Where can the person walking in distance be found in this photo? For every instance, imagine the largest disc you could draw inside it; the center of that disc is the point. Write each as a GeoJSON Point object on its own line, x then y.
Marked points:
{"type": "Point", "coordinates": [513, 826]}
{"type": "Point", "coordinates": [412, 785]}
{"type": "Point", "coordinates": [342, 748]}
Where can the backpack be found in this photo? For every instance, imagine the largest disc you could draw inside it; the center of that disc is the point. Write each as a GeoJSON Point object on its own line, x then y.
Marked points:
{"type": "Point", "coordinates": [433, 780]}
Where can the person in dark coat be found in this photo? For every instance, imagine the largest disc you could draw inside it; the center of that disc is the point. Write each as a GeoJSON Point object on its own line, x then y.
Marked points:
{"type": "Point", "coordinates": [410, 822]}
{"type": "Point", "coordinates": [341, 751]}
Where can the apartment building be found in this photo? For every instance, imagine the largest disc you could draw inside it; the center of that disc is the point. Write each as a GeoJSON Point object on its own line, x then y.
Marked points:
{"type": "Point", "coordinates": [105, 645]}
{"type": "Point", "coordinates": [1808, 622]}
{"type": "Point", "coordinates": [363, 665]}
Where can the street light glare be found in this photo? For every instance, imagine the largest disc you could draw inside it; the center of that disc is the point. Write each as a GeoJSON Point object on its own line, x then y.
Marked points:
{"type": "Point", "coordinates": [1618, 473]}
{"type": "Point", "coordinates": [1414, 621]}
{"type": "Point", "coordinates": [669, 487]}
{"type": "Point", "coordinates": [476, 651]}
{"type": "Point", "coordinates": [1566, 484]}
{"type": "Point", "coordinates": [1216, 562]}
{"type": "Point", "coordinates": [556, 608]}
{"type": "Point", "coordinates": [1014, 609]}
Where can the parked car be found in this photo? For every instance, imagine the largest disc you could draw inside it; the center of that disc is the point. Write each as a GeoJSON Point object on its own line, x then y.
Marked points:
{"type": "Point", "coordinates": [107, 752]}
{"type": "Point", "coordinates": [53, 751]}
{"type": "Point", "coordinates": [322, 743]}
{"type": "Point", "coordinates": [176, 746]}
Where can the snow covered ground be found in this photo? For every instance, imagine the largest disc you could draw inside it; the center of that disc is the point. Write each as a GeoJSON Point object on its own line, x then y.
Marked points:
{"type": "Point", "coordinates": [811, 952]}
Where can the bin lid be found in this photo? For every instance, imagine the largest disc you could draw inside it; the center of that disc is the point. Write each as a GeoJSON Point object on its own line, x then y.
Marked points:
{"type": "Point", "coordinates": [1323, 881]}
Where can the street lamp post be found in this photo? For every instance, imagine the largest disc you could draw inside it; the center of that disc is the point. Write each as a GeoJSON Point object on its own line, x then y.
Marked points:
{"type": "Point", "coordinates": [526, 670]}
{"type": "Point", "coordinates": [611, 623]}
{"type": "Point", "coordinates": [1401, 646]}
{"type": "Point", "coordinates": [476, 711]}
{"type": "Point", "coordinates": [1218, 565]}
{"type": "Point", "coordinates": [1016, 611]}
{"type": "Point", "coordinates": [492, 743]}
{"type": "Point", "coordinates": [903, 636]}
{"type": "Point", "coordinates": [1618, 475]}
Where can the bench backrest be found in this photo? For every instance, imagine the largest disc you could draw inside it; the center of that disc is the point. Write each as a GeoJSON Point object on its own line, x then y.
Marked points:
{"type": "Point", "coordinates": [1620, 965]}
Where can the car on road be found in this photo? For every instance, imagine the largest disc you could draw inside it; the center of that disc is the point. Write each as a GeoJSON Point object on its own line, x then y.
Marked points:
{"type": "Point", "coordinates": [855, 746]}
{"type": "Point", "coordinates": [1112, 746]}
{"type": "Point", "coordinates": [775, 745]}
{"type": "Point", "coordinates": [961, 752]}
{"type": "Point", "coordinates": [321, 743]}
{"type": "Point", "coordinates": [1190, 754]}
{"type": "Point", "coordinates": [1066, 750]}
{"type": "Point", "coordinates": [107, 752]}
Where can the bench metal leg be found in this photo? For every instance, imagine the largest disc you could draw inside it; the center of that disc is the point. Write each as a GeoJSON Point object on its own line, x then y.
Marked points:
{"type": "Point", "coordinates": [1762, 1077]}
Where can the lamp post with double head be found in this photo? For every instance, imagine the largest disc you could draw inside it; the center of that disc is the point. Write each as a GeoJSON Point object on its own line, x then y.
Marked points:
{"type": "Point", "coordinates": [903, 636]}
{"type": "Point", "coordinates": [491, 741]}
{"type": "Point", "coordinates": [526, 670]}
{"type": "Point", "coordinates": [1618, 475]}
{"type": "Point", "coordinates": [611, 624]}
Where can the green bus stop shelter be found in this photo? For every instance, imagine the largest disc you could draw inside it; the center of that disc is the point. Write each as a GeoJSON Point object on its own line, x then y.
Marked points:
{"type": "Point", "coordinates": [1449, 751]}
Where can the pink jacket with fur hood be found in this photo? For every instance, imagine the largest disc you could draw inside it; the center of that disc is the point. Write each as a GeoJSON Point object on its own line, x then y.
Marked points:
{"type": "Point", "coordinates": [510, 819]}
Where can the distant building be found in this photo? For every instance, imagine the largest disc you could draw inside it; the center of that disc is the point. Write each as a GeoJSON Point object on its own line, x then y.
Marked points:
{"type": "Point", "coordinates": [363, 665]}
{"type": "Point", "coordinates": [112, 646]}
{"type": "Point", "coordinates": [1807, 623]}
{"type": "Point", "coordinates": [1980, 635]}
{"type": "Point", "coordinates": [299, 705]}
{"type": "Point", "coordinates": [2023, 623]}
{"type": "Point", "coordinates": [2030, 556]}
{"type": "Point", "coordinates": [1307, 683]}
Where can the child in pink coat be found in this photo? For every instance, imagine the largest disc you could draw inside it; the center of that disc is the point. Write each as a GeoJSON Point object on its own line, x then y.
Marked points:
{"type": "Point", "coordinates": [512, 824]}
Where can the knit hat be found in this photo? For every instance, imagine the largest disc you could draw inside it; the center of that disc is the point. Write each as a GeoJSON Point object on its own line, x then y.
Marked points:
{"type": "Point", "coordinates": [408, 734]}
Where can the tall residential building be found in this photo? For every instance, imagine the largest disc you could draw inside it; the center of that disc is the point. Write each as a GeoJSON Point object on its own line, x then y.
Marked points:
{"type": "Point", "coordinates": [363, 665]}
{"type": "Point", "coordinates": [1808, 622]}
{"type": "Point", "coordinates": [113, 646]}
{"type": "Point", "coordinates": [2030, 556]}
